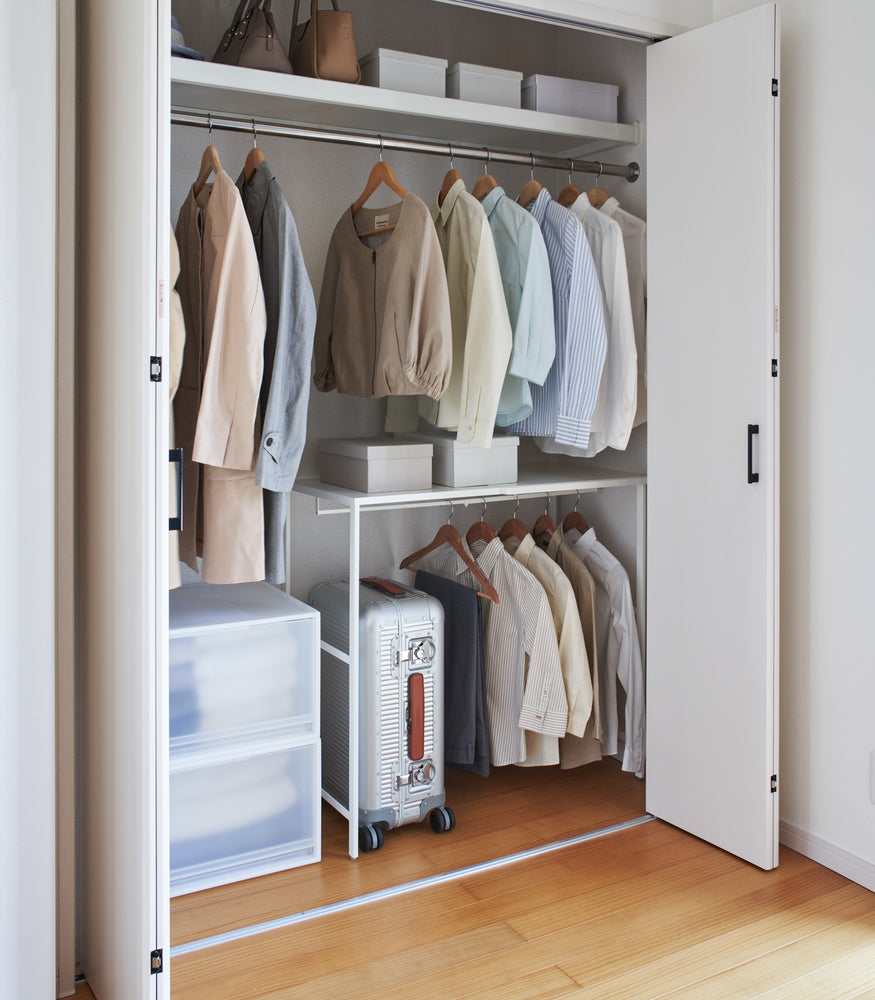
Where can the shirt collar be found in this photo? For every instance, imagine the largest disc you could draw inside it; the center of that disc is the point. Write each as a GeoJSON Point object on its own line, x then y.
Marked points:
{"type": "Point", "coordinates": [581, 205]}
{"type": "Point", "coordinates": [489, 555]}
{"type": "Point", "coordinates": [610, 206]}
{"type": "Point", "coordinates": [524, 549]}
{"type": "Point", "coordinates": [538, 207]}
{"type": "Point", "coordinates": [445, 210]}
{"type": "Point", "coordinates": [586, 540]}
{"type": "Point", "coordinates": [255, 193]}
{"type": "Point", "coordinates": [491, 200]}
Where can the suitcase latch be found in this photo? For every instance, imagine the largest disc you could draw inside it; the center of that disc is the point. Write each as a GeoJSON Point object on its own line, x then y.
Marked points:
{"type": "Point", "coordinates": [420, 773]}
{"type": "Point", "coordinates": [422, 650]}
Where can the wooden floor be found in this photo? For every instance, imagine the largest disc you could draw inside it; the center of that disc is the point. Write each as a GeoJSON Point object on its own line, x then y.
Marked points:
{"type": "Point", "coordinates": [648, 912]}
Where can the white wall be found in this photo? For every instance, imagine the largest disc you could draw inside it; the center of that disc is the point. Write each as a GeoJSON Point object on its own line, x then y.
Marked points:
{"type": "Point", "coordinates": [828, 430]}
{"type": "Point", "coordinates": [27, 499]}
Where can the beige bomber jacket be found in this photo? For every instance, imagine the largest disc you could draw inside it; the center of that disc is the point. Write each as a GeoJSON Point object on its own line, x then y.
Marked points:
{"type": "Point", "coordinates": [383, 325]}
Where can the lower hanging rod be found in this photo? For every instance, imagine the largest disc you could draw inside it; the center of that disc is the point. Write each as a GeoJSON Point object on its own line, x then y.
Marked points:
{"type": "Point", "coordinates": [630, 171]}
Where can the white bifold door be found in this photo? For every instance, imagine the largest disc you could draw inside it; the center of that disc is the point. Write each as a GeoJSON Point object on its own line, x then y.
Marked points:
{"type": "Point", "coordinates": [712, 198]}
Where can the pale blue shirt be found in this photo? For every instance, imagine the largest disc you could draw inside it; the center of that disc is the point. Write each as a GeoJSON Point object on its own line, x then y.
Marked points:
{"type": "Point", "coordinates": [563, 406]}
{"type": "Point", "coordinates": [528, 292]}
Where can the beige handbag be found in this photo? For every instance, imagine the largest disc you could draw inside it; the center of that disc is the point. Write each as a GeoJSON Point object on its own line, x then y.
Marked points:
{"type": "Point", "coordinates": [252, 40]}
{"type": "Point", "coordinates": [324, 46]}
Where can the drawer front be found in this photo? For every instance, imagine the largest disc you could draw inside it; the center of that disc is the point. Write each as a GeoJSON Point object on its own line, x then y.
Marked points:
{"type": "Point", "coordinates": [238, 680]}
{"type": "Point", "coordinates": [239, 818]}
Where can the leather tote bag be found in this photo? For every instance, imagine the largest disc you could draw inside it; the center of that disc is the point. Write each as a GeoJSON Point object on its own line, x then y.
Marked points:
{"type": "Point", "coordinates": [324, 46]}
{"type": "Point", "coordinates": [252, 39]}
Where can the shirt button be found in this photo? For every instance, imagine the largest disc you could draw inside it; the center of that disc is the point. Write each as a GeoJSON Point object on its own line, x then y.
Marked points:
{"type": "Point", "coordinates": [269, 442]}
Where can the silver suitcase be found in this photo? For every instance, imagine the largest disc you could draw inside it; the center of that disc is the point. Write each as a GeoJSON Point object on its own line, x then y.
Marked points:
{"type": "Point", "coordinates": [401, 685]}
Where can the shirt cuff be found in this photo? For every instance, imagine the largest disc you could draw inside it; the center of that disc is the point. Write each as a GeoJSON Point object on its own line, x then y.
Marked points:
{"type": "Point", "coordinates": [573, 431]}
{"type": "Point", "coordinates": [550, 722]}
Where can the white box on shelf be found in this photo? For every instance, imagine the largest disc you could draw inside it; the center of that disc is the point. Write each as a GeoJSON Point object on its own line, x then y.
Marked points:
{"type": "Point", "coordinates": [239, 813]}
{"type": "Point", "coordinates": [455, 464]}
{"type": "Point", "coordinates": [375, 465]}
{"type": "Point", "coordinates": [560, 96]}
{"type": "Point", "coordinates": [243, 660]}
{"type": "Point", "coordinates": [406, 71]}
{"type": "Point", "coordinates": [484, 84]}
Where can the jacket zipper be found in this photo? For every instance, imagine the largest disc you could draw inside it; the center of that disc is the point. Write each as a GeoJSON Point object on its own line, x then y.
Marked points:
{"type": "Point", "coordinates": [374, 372]}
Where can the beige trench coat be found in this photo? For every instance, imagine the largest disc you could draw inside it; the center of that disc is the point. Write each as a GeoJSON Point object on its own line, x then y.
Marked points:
{"type": "Point", "coordinates": [216, 405]}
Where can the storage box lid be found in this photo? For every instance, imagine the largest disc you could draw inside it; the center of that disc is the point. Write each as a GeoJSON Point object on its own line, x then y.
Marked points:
{"type": "Point", "coordinates": [565, 83]}
{"type": "Point", "coordinates": [198, 604]}
{"type": "Point", "coordinates": [443, 439]}
{"type": "Point", "coordinates": [374, 448]}
{"type": "Point", "coordinates": [408, 57]}
{"type": "Point", "coordinates": [504, 74]}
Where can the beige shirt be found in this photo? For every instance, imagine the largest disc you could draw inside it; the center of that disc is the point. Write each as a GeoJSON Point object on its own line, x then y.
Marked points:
{"type": "Point", "coordinates": [569, 631]}
{"type": "Point", "coordinates": [383, 323]}
{"type": "Point", "coordinates": [482, 335]}
{"type": "Point", "coordinates": [575, 751]}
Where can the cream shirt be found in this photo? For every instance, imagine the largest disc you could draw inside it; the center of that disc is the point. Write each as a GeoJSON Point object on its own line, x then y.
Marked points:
{"type": "Point", "coordinates": [482, 335]}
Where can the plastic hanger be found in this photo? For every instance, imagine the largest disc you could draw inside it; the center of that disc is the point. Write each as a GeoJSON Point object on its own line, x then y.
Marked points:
{"type": "Point", "coordinates": [545, 525]}
{"type": "Point", "coordinates": [531, 189]}
{"type": "Point", "coordinates": [448, 534]}
{"type": "Point", "coordinates": [450, 178]}
{"type": "Point", "coordinates": [381, 173]}
{"type": "Point", "coordinates": [254, 158]}
{"type": "Point", "coordinates": [513, 527]}
{"type": "Point", "coordinates": [480, 530]}
{"type": "Point", "coordinates": [485, 183]}
{"type": "Point", "coordinates": [574, 520]}
{"type": "Point", "coordinates": [210, 163]}
{"type": "Point", "coordinates": [571, 192]}
{"type": "Point", "coordinates": [597, 196]}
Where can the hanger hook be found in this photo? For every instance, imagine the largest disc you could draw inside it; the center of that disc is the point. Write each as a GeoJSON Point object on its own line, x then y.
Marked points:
{"type": "Point", "coordinates": [533, 165]}
{"type": "Point", "coordinates": [570, 169]}
{"type": "Point", "coordinates": [598, 175]}
{"type": "Point", "coordinates": [210, 127]}
{"type": "Point", "coordinates": [577, 501]}
{"type": "Point", "coordinates": [516, 505]}
{"type": "Point", "coordinates": [488, 158]}
{"type": "Point", "coordinates": [452, 158]}
{"type": "Point", "coordinates": [452, 511]}
{"type": "Point", "coordinates": [483, 515]}
{"type": "Point", "coordinates": [546, 504]}
{"type": "Point", "coordinates": [381, 147]}
{"type": "Point", "coordinates": [254, 136]}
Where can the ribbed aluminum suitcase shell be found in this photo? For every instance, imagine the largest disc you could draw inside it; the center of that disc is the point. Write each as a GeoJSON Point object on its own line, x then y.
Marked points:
{"type": "Point", "coordinates": [398, 636]}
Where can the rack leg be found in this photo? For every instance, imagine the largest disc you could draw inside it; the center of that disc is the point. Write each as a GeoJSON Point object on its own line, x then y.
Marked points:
{"type": "Point", "coordinates": [354, 574]}
{"type": "Point", "coordinates": [641, 564]}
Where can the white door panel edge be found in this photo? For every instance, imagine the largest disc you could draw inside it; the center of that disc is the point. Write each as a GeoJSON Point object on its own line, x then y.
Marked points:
{"type": "Point", "coordinates": [712, 534]}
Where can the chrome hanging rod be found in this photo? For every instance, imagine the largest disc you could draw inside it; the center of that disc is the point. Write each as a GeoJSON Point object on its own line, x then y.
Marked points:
{"type": "Point", "coordinates": [630, 171]}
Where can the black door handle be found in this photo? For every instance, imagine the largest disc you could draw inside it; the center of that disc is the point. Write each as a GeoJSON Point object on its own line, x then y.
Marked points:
{"type": "Point", "coordinates": [175, 523]}
{"type": "Point", "coordinates": [752, 477]}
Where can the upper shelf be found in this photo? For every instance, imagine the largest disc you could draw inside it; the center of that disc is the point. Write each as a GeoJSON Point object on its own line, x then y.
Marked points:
{"type": "Point", "coordinates": [287, 99]}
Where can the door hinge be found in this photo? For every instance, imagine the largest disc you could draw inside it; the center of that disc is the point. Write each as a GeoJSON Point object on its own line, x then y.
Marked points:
{"type": "Point", "coordinates": [155, 368]}
{"type": "Point", "coordinates": [774, 87]}
{"type": "Point", "coordinates": [156, 961]}
{"type": "Point", "coordinates": [774, 783]}
{"type": "Point", "coordinates": [774, 367]}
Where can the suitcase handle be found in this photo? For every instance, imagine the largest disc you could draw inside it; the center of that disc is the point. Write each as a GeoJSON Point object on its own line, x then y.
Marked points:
{"type": "Point", "coordinates": [415, 716]}
{"type": "Point", "coordinates": [385, 585]}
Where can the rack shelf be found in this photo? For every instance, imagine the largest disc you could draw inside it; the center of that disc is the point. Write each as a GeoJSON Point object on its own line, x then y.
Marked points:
{"type": "Point", "coordinates": [286, 99]}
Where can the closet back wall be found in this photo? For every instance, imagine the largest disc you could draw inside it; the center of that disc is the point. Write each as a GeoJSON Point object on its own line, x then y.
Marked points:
{"type": "Point", "coordinates": [321, 180]}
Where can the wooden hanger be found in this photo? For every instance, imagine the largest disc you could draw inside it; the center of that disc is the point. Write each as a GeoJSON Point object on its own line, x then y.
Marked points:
{"type": "Point", "coordinates": [254, 159]}
{"type": "Point", "coordinates": [568, 195]}
{"type": "Point", "coordinates": [209, 165]}
{"type": "Point", "coordinates": [575, 520]}
{"type": "Point", "coordinates": [381, 173]}
{"type": "Point", "coordinates": [447, 533]}
{"type": "Point", "coordinates": [512, 528]}
{"type": "Point", "coordinates": [597, 197]}
{"type": "Point", "coordinates": [485, 182]}
{"type": "Point", "coordinates": [531, 189]}
{"type": "Point", "coordinates": [450, 178]}
{"type": "Point", "coordinates": [479, 531]}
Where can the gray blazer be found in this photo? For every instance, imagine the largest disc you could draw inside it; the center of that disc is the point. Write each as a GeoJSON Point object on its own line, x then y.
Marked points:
{"type": "Point", "coordinates": [288, 352]}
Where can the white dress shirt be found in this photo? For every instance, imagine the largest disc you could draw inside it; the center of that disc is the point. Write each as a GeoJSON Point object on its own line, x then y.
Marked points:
{"type": "Point", "coordinates": [619, 649]}
{"type": "Point", "coordinates": [524, 686]}
{"type": "Point", "coordinates": [634, 232]}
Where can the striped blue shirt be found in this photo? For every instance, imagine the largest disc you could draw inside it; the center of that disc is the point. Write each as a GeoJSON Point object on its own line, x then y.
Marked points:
{"type": "Point", "coordinates": [563, 406]}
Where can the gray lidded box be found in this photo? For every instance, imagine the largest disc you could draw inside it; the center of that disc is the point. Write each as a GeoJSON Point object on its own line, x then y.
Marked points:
{"type": "Point", "coordinates": [485, 84]}
{"type": "Point", "coordinates": [560, 96]}
{"type": "Point", "coordinates": [405, 71]}
{"type": "Point", "coordinates": [375, 465]}
{"type": "Point", "coordinates": [456, 464]}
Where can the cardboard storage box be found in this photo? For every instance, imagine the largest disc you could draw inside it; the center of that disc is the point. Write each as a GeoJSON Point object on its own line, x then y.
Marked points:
{"type": "Point", "coordinates": [455, 464]}
{"type": "Point", "coordinates": [414, 74]}
{"type": "Point", "coordinates": [560, 96]}
{"type": "Point", "coordinates": [375, 465]}
{"type": "Point", "coordinates": [485, 84]}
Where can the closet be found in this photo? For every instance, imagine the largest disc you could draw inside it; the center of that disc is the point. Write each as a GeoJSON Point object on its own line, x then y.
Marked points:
{"type": "Point", "coordinates": [709, 507]}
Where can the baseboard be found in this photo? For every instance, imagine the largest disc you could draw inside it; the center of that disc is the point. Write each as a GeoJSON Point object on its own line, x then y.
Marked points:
{"type": "Point", "coordinates": [824, 853]}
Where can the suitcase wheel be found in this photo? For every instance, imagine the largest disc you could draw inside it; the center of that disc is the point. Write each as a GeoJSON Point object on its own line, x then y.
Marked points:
{"type": "Point", "coordinates": [442, 819]}
{"type": "Point", "coordinates": [370, 838]}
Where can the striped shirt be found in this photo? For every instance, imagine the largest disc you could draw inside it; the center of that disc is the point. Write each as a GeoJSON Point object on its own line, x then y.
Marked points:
{"type": "Point", "coordinates": [564, 405]}
{"type": "Point", "coordinates": [619, 649]}
{"type": "Point", "coordinates": [524, 687]}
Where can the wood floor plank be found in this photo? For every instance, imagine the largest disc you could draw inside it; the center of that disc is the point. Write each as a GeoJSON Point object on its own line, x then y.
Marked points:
{"type": "Point", "coordinates": [839, 979]}
{"type": "Point", "coordinates": [546, 984]}
{"type": "Point", "coordinates": [688, 966]}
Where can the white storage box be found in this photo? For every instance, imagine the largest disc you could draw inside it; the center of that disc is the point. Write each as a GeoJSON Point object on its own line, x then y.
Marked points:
{"type": "Point", "coordinates": [414, 74]}
{"type": "Point", "coordinates": [561, 96]}
{"type": "Point", "coordinates": [375, 465]}
{"type": "Point", "coordinates": [243, 660]}
{"type": "Point", "coordinates": [485, 84]}
{"type": "Point", "coordinates": [455, 464]}
{"type": "Point", "coordinates": [236, 814]}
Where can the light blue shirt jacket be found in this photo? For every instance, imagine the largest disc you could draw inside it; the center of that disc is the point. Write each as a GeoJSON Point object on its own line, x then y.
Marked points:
{"type": "Point", "coordinates": [528, 292]}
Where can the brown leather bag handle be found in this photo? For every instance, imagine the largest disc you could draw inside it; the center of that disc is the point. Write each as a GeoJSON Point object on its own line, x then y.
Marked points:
{"type": "Point", "coordinates": [385, 585]}
{"type": "Point", "coordinates": [416, 716]}
{"type": "Point", "coordinates": [314, 6]}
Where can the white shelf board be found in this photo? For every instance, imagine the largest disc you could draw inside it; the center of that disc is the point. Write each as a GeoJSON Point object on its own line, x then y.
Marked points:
{"type": "Point", "coordinates": [287, 99]}
{"type": "Point", "coordinates": [533, 481]}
